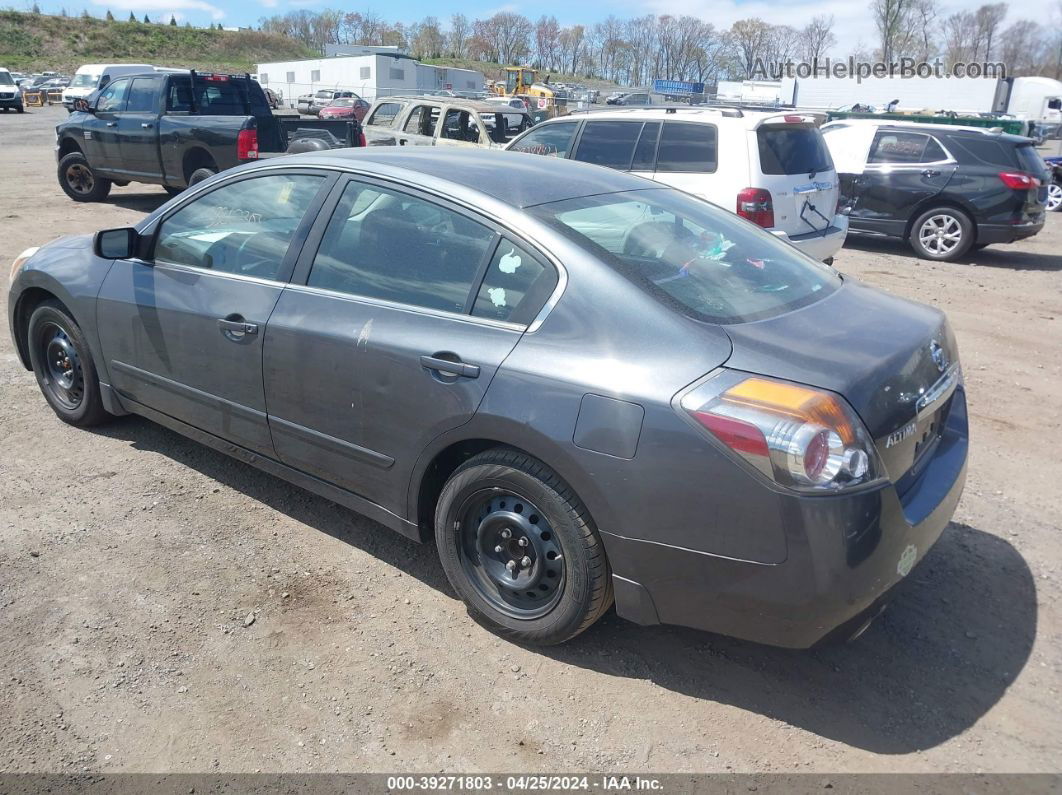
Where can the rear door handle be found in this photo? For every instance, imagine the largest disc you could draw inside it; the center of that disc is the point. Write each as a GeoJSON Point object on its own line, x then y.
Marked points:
{"type": "Point", "coordinates": [146, 125]}
{"type": "Point", "coordinates": [237, 328]}
{"type": "Point", "coordinates": [447, 367]}
{"type": "Point", "coordinates": [930, 172]}
{"type": "Point", "coordinates": [112, 124]}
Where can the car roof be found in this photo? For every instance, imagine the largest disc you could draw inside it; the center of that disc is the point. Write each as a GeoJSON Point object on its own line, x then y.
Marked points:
{"type": "Point", "coordinates": [708, 114]}
{"type": "Point", "coordinates": [477, 106]}
{"type": "Point", "coordinates": [514, 178]}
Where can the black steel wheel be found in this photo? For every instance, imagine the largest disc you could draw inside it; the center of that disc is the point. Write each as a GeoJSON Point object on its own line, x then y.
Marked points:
{"type": "Point", "coordinates": [510, 553]}
{"type": "Point", "coordinates": [63, 366]}
{"type": "Point", "coordinates": [520, 549]}
{"type": "Point", "coordinates": [79, 181]}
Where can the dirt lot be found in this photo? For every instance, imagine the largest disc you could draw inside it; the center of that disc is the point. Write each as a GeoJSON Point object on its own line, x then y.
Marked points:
{"type": "Point", "coordinates": [130, 559]}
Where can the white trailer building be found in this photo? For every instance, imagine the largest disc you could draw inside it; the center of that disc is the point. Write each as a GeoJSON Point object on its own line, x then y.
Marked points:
{"type": "Point", "coordinates": [370, 76]}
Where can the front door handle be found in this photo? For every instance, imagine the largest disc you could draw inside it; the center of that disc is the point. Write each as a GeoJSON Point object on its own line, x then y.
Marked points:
{"type": "Point", "coordinates": [236, 327]}
{"type": "Point", "coordinates": [146, 125]}
{"type": "Point", "coordinates": [448, 367]}
{"type": "Point", "coordinates": [930, 172]}
{"type": "Point", "coordinates": [112, 124]}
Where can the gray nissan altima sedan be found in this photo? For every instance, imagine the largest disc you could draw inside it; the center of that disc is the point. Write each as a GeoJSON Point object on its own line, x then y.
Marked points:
{"type": "Point", "coordinates": [586, 387]}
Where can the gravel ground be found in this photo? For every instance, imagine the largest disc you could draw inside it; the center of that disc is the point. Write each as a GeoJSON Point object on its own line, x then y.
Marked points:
{"type": "Point", "coordinates": [165, 608]}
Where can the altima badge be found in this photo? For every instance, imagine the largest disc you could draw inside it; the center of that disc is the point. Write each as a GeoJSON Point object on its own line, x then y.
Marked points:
{"type": "Point", "coordinates": [898, 436]}
{"type": "Point", "coordinates": [907, 560]}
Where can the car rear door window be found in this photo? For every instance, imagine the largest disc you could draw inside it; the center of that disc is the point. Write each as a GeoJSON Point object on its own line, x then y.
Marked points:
{"type": "Point", "coordinates": [392, 246]}
{"type": "Point", "coordinates": [898, 147]}
{"type": "Point", "coordinates": [609, 143]}
{"type": "Point", "coordinates": [422, 120]}
{"type": "Point", "coordinates": [516, 284]}
{"type": "Point", "coordinates": [792, 149]}
{"type": "Point", "coordinates": [242, 228]}
{"type": "Point", "coordinates": [552, 140]}
{"type": "Point", "coordinates": [460, 125]}
{"type": "Point", "coordinates": [687, 147]}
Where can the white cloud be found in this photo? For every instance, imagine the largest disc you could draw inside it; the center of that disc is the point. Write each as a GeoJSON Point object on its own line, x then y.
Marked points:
{"type": "Point", "coordinates": [166, 6]}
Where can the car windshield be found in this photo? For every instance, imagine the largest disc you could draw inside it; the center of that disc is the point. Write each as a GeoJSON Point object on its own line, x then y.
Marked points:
{"type": "Point", "coordinates": [788, 149]}
{"type": "Point", "coordinates": [5, 79]}
{"type": "Point", "coordinates": [703, 261]}
{"type": "Point", "coordinates": [84, 80]}
{"type": "Point", "coordinates": [344, 102]}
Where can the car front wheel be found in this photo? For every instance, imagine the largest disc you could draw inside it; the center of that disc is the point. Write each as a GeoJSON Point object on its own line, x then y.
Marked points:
{"type": "Point", "coordinates": [943, 234]}
{"type": "Point", "coordinates": [79, 181]}
{"type": "Point", "coordinates": [521, 549]}
{"type": "Point", "coordinates": [63, 366]}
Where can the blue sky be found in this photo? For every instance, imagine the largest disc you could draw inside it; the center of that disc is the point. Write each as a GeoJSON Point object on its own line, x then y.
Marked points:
{"type": "Point", "coordinates": [853, 26]}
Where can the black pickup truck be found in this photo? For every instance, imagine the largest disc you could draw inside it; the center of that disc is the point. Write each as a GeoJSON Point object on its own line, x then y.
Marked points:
{"type": "Point", "coordinates": [176, 129]}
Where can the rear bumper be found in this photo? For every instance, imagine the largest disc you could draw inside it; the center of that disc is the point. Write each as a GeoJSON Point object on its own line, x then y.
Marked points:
{"type": "Point", "coordinates": [844, 555]}
{"type": "Point", "coordinates": [1008, 233]}
{"type": "Point", "coordinates": [817, 245]}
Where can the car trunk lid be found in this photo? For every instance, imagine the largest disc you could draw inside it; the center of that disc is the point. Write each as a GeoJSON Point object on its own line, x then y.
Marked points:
{"type": "Point", "coordinates": [894, 361]}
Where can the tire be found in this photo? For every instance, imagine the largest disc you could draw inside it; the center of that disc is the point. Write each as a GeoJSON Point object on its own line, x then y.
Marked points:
{"type": "Point", "coordinates": [63, 365]}
{"type": "Point", "coordinates": [980, 246]}
{"type": "Point", "coordinates": [20, 108]}
{"type": "Point", "coordinates": [79, 181]}
{"type": "Point", "coordinates": [173, 191]}
{"type": "Point", "coordinates": [1054, 196]}
{"type": "Point", "coordinates": [200, 174]}
{"type": "Point", "coordinates": [504, 491]}
{"type": "Point", "coordinates": [943, 234]}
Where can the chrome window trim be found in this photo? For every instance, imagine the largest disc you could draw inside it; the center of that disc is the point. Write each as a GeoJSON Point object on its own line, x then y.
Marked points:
{"type": "Point", "coordinates": [190, 194]}
{"type": "Point", "coordinates": [179, 266]}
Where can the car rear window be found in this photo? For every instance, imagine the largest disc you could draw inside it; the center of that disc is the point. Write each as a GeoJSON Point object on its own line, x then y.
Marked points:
{"type": "Point", "coordinates": [697, 258]}
{"type": "Point", "coordinates": [791, 149]}
{"type": "Point", "coordinates": [687, 147]}
{"type": "Point", "coordinates": [1030, 159]}
{"type": "Point", "coordinates": [214, 97]}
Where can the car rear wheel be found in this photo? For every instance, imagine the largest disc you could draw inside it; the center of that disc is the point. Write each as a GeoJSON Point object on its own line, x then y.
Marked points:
{"type": "Point", "coordinates": [943, 234]}
{"type": "Point", "coordinates": [63, 366]}
{"type": "Point", "coordinates": [79, 181]}
{"type": "Point", "coordinates": [1054, 197]}
{"type": "Point", "coordinates": [521, 549]}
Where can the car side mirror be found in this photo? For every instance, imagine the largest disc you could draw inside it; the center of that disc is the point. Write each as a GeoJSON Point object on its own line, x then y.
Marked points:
{"type": "Point", "coordinates": [83, 105]}
{"type": "Point", "coordinates": [116, 243]}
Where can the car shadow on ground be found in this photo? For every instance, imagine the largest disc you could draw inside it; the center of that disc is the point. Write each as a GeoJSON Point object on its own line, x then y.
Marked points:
{"type": "Point", "coordinates": [140, 202]}
{"type": "Point", "coordinates": [995, 256]}
{"type": "Point", "coordinates": [956, 636]}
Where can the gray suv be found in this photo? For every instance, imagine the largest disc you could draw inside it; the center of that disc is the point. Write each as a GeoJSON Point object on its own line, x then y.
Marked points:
{"type": "Point", "coordinates": [586, 387]}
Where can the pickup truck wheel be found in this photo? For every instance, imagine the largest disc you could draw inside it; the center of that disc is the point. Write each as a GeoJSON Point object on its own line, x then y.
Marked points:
{"type": "Point", "coordinates": [200, 174]}
{"type": "Point", "coordinates": [520, 549]}
{"type": "Point", "coordinates": [79, 181]}
{"type": "Point", "coordinates": [20, 108]}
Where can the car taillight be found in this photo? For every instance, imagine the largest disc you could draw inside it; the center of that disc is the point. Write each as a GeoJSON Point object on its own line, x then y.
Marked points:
{"type": "Point", "coordinates": [247, 145]}
{"type": "Point", "coordinates": [756, 205]}
{"type": "Point", "coordinates": [1018, 181]}
{"type": "Point", "coordinates": [800, 437]}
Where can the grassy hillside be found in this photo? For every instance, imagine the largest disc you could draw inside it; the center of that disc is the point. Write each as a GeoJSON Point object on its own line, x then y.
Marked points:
{"type": "Point", "coordinates": [35, 42]}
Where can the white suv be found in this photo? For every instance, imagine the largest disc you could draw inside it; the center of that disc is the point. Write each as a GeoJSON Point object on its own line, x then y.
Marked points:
{"type": "Point", "coordinates": [769, 167]}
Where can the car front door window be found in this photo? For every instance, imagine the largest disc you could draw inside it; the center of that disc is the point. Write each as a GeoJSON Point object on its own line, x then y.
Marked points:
{"type": "Point", "coordinates": [552, 140]}
{"type": "Point", "coordinates": [241, 228]}
{"type": "Point", "coordinates": [112, 98]}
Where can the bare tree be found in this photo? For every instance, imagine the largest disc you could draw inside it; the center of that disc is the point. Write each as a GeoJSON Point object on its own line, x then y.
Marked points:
{"type": "Point", "coordinates": [818, 37]}
{"type": "Point", "coordinates": [989, 19]}
{"type": "Point", "coordinates": [750, 41]}
{"type": "Point", "coordinates": [547, 42]}
{"type": "Point", "coordinates": [893, 21]}
{"type": "Point", "coordinates": [457, 38]}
